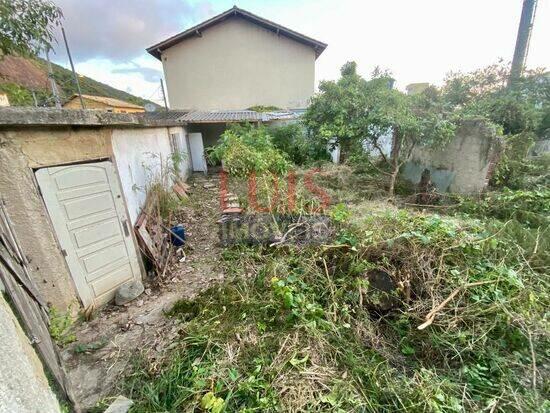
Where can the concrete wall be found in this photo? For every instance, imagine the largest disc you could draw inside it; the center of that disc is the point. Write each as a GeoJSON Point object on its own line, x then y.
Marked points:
{"type": "Point", "coordinates": [23, 384]}
{"type": "Point", "coordinates": [141, 155]}
{"type": "Point", "coordinates": [464, 164]}
{"type": "Point", "coordinates": [237, 64]}
{"type": "Point", "coordinates": [22, 150]}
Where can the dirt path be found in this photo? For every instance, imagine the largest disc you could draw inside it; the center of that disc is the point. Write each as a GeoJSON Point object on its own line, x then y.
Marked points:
{"type": "Point", "coordinates": [117, 333]}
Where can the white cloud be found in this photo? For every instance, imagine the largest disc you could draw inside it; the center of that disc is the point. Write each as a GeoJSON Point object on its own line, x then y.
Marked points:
{"type": "Point", "coordinates": [419, 41]}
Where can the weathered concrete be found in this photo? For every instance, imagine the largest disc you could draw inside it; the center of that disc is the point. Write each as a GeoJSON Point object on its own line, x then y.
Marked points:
{"type": "Point", "coordinates": [464, 165]}
{"type": "Point", "coordinates": [25, 148]}
{"type": "Point", "coordinates": [30, 219]}
{"type": "Point", "coordinates": [23, 384]}
{"type": "Point", "coordinates": [142, 155]}
{"type": "Point", "coordinates": [25, 116]}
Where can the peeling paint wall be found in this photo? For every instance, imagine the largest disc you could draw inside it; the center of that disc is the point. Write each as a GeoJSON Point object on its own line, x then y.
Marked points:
{"type": "Point", "coordinates": [21, 151]}
{"type": "Point", "coordinates": [463, 165]}
{"type": "Point", "coordinates": [141, 156]}
{"type": "Point", "coordinates": [24, 387]}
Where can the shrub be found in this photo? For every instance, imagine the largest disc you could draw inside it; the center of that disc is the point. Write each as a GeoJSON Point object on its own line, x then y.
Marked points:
{"type": "Point", "coordinates": [529, 207]}
{"type": "Point", "coordinates": [246, 149]}
{"type": "Point", "coordinates": [515, 170]}
{"type": "Point", "coordinates": [302, 150]}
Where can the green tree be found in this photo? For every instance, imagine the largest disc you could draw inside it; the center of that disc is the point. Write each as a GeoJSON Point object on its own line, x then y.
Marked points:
{"type": "Point", "coordinates": [357, 112]}
{"type": "Point", "coordinates": [26, 26]}
{"type": "Point", "coordinates": [523, 107]}
{"type": "Point", "coordinates": [521, 111]}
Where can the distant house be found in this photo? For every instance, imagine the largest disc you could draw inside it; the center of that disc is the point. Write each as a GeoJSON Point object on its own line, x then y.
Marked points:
{"type": "Point", "coordinates": [4, 101]}
{"type": "Point", "coordinates": [237, 60]}
{"type": "Point", "coordinates": [416, 88]}
{"type": "Point", "coordinates": [101, 102]}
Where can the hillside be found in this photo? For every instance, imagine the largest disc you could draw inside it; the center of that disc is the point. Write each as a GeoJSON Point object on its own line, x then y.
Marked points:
{"type": "Point", "coordinates": [19, 77]}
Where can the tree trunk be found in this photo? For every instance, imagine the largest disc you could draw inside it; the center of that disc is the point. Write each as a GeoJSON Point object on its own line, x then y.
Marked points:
{"type": "Point", "coordinates": [395, 151]}
{"type": "Point", "coordinates": [393, 178]}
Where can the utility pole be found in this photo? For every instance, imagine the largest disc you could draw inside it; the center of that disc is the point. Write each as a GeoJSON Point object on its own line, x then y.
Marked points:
{"type": "Point", "coordinates": [72, 68]}
{"type": "Point", "coordinates": [53, 85]}
{"type": "Point", "coordinates": [163, 94]}
{"type": "Point", "coordinates": [522, 40]}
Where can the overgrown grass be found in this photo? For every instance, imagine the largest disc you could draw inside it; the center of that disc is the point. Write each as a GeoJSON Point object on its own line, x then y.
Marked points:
{"type": "Point", "coordinates": [293, 329]}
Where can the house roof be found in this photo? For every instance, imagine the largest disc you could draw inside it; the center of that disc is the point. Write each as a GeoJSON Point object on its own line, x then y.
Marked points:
{"type": "Point", "coordinates": [221, 116]}
{"type": "Point", "coordinates": [109, 101]}
{"type": "Point", "coordinates": [234, 116]}
{"type": "Point", "coordinates": [158, 48]}
{"type": "Point", "coordinates": [164, 115]}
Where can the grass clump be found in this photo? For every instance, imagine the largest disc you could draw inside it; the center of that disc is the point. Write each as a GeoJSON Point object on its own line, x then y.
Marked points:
{"type": "Point", "coordinates": [292, 330]}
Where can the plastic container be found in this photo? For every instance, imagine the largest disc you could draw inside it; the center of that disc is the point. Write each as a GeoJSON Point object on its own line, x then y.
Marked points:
{"type": "Point", "coordinates": [177, 236]}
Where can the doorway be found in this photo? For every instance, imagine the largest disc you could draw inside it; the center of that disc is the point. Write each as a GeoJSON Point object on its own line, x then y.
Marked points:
{"type": "Point", "coordinates": [84, 202]}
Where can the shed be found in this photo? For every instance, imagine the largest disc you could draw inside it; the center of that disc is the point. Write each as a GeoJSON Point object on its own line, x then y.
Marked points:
{"type": "Point", "coordinates": [73, 184]}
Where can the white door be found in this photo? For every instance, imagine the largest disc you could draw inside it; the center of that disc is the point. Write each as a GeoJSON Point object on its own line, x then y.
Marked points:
{"type": "Point", "coordinates": [197, 152]}
{"type": "Point", "coordinates": [87, 211]}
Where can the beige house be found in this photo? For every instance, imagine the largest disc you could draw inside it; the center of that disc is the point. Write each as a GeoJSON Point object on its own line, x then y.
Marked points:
{"type": "Point", "coordinates": [237, 60]}
{"type": "Point", "coordinates": [103, 103]}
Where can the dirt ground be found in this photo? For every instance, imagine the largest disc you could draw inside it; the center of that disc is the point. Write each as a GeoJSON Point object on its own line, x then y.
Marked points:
{"type": "Point", "coordinates": [107, 345]}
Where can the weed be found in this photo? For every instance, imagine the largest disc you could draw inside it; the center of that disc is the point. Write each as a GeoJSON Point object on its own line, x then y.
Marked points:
{"type": "Point", "coordinates": [292, 329]}
{"type": "Point", "coordinates": [61, 326]}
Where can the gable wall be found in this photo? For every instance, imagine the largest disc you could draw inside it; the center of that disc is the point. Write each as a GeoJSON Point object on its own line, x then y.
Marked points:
{"type": "Point", "coordinates": [237, 64]}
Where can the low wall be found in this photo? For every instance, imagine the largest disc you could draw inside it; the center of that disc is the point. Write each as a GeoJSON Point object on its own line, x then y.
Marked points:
{"type": "Point", "coordinates": [464, 165]}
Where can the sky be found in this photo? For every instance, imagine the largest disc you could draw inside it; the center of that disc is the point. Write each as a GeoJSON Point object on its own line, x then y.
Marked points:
{"type": "Point", "coordinates": [417, 40]}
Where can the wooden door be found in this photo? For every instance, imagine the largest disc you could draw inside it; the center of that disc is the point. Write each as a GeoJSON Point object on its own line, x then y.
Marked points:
{"type": "Point", "coordinates": [85, 205]}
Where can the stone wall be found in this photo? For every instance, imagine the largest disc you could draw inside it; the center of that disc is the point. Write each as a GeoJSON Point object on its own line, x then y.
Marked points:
{"type": "Point", "coordinates": [464, 165]}
{"type": "Point", "coordinates": [24, 387]}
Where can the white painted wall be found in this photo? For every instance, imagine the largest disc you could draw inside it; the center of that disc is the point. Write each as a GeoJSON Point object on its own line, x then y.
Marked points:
{"type": "Point", "coordinates": [141, 155]}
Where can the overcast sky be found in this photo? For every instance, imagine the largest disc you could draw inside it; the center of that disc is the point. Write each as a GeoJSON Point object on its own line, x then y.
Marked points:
{"type": "Point", "coordinates": [418, 40]}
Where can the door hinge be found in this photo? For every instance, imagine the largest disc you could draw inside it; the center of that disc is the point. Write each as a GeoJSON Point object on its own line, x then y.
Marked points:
{"type": "Point", "coordinates": [63, 252]}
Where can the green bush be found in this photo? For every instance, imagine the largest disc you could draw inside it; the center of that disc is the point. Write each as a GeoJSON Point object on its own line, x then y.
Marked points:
{"type": "Point", "coordinates": [291, 331]}
{"type": "Point", "coordinates": [529, 207]}
{"type": "Point", "coordinates": [515, 170]}
{"type": "Point", "coordinates": [248, 149]}
{"type": "Point", "coordinates": [302, 150]}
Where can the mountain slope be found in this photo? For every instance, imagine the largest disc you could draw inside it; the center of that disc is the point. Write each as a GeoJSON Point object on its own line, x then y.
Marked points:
{"type": "Point", "coordinates": [20, 77]}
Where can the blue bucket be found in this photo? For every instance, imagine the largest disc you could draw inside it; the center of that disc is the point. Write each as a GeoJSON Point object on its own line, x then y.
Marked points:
{"type": "Point", "coordinates": [177, 236]}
